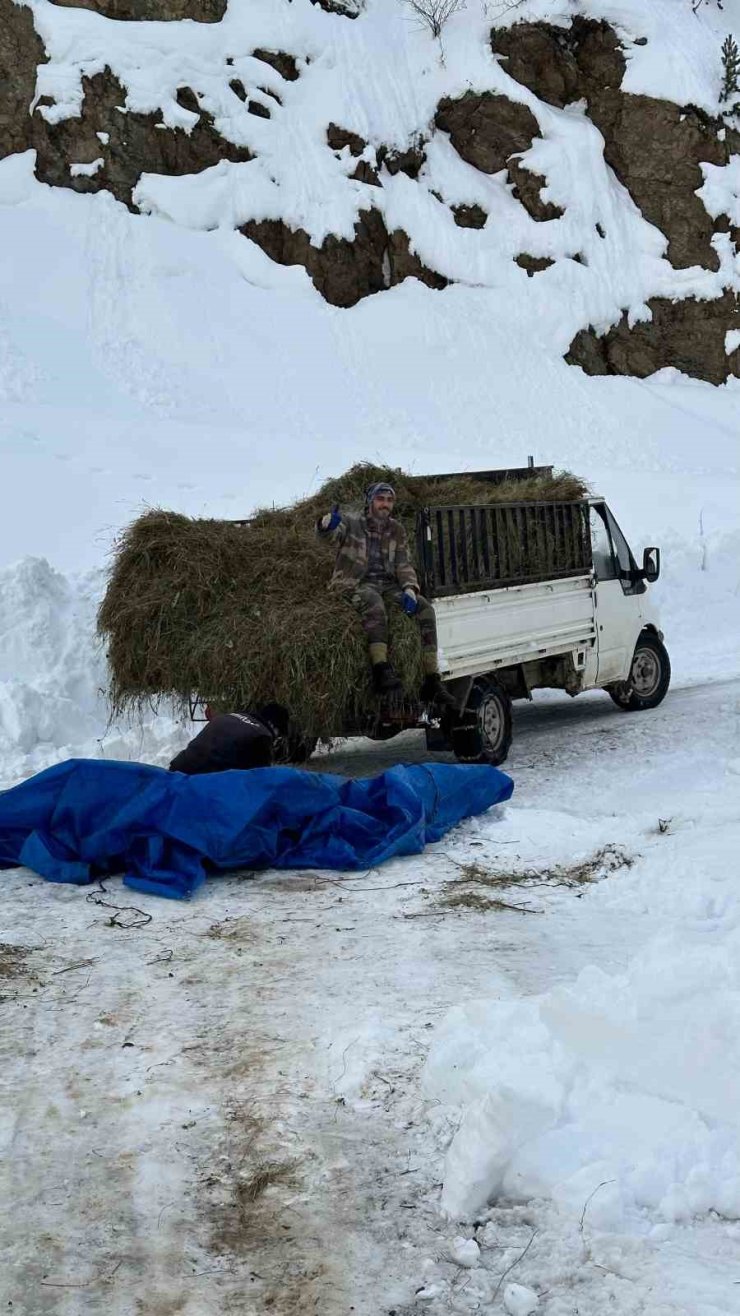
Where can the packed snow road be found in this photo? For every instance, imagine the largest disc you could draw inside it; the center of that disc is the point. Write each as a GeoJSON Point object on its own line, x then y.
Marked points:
{"type": "Point", "coordinates": [228, 1107]}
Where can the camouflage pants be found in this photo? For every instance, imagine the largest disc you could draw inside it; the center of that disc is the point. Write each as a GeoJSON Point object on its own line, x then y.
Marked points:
{"type": "Point", "coordinates": [370, 601]}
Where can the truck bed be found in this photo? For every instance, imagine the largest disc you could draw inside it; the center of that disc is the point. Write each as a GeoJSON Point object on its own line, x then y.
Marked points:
{"type": "Point", "coordinates": [498, 627]}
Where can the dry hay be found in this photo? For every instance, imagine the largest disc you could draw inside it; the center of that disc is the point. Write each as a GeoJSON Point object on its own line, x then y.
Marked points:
{"type": "Point", "coordinates": [240, 614]}
{"type": "Point", "coordinates": [12, 959]}
{"type": "Point", "coordinates": [481, 904]}
{"type": "Point", "coordinates": [603, 863]}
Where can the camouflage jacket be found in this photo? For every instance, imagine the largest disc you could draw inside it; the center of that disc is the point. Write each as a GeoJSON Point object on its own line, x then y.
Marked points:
{"type": "Point", "coordinates": [350, 538]}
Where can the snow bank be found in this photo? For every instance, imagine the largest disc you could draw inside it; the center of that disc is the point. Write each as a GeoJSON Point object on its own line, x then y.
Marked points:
{"type": "Point", "coordinates": [50, 672]}
{"type": "Point", "coordinates": [628, 1082]}
{"type": "Point", "coordinates": [699, 598]}
{"type": "Point", "coordinates": [52, 677]}
{"type": "Point", "coordinates": [621, 1085]}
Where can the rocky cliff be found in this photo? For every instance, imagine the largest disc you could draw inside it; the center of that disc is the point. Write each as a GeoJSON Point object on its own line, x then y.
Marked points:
{"type": "Point", "coordinates": [657, 150]}
{"type": "Point", "coordinates": [168, 11]}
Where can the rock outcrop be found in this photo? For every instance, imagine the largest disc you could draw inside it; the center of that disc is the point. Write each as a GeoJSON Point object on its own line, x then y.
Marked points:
{"type": "Point", "coordinates": [561, 65]}
{"type": "Point", "coordinates": [486, 130]}
{"type": "Point", "coordinates": [338, 138]}
{"type": "Point", "coordinates": [283, 63]}
{"type": "Point", "coordinates": [21, 51]}
{"type": "Point", "coordinates": [345, 8]}
{"type": "Point", "coordinates": [655, 148]}
{"type": "Point", "coordinates": [689, 335]}
{"type": "Point", "coordinates": [409, 161]}
{"type": "Point", "coordinates": [127, 144]}
{"type": "Point", "coordinates": [491, 133]}
{"type": "Point", "coordinates": [533, 264]}
{"type": "Point", "coordinates": [344, 271]}
{"type": "Point", "coordinates": [473, 216]}
{"type": "Point", "coordinates": [160, 11]}
{"type": "Point", "coordinates": [528, 189]}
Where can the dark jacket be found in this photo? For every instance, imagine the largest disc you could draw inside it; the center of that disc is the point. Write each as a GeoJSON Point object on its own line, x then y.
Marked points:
{"type": "Point", "coordinates": [350, 538]}
{"type": "Point", "coordinates": [230, 740]}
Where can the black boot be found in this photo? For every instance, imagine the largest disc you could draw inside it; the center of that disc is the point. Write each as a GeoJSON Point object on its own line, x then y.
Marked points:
{"type": "Point", "coordinates": [385, 681]}
{"type": "Point", "coordinates": [433, 691]}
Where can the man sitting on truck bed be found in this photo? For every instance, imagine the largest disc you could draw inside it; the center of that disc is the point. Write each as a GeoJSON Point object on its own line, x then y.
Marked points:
{"type": "Point", "coordinates": [373, 569]}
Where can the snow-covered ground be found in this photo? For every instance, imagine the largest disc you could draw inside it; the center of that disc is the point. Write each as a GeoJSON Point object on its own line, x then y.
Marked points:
{"type": "Point", "coordinates": [276, 1033]}
{"type": "Point", "coordinates": [300, 1093]}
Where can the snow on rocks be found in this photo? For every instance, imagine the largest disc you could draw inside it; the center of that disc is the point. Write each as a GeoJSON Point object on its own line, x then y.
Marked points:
{"type": "Point", "coordinates": [86, 170]}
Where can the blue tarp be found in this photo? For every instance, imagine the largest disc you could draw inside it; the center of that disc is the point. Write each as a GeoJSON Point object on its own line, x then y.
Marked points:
{"type": "Point", "coordinates": [86, 818]}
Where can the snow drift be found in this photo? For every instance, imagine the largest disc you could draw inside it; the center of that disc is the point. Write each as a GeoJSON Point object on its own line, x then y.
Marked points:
{"type": "Point", "coordinates": [618, 1084]}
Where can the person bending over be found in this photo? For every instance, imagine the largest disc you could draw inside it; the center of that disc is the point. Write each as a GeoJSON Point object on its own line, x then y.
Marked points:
{"type": "Point", "coordinates": [372, 570]}
{"type": "Point", "coordinates": [234, 740]}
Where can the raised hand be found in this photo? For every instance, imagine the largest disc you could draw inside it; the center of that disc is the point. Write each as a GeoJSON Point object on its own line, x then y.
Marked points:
{"type": "Point", "coordinates": [331, 520]}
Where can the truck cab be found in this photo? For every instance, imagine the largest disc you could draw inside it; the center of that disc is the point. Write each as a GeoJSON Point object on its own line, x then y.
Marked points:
{"type": "Point", "coordinates": [623, 600]}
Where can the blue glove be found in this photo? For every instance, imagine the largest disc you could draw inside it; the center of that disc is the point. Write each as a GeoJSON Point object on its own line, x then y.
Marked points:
{"type": "Point", "coordinates": [409, 603]}
{"type": "Point", "coordinates": [333, 522]}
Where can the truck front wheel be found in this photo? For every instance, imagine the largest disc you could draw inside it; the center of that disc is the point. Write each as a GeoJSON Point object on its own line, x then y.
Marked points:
{"type": "Point", "coordinates": [483, 733]}
{"type": "Point", "coordinates": [649, 678]}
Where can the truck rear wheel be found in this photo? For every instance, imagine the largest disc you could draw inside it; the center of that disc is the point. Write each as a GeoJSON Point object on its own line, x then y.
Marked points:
{"type": "Point", "coordinates": [649, 678]}
{"type": "Point", "coordinates": [483, 733]}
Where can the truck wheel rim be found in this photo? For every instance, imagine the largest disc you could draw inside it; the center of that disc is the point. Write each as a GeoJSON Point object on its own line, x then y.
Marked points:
{"type": "Point", "coordinates": [491, 723]}
{"type": "Point", "coordinates": [645, 677]}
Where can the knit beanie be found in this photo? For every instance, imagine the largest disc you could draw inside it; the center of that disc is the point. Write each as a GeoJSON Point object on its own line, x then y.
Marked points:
{"type": "Point", "coordinates": [380, 487]}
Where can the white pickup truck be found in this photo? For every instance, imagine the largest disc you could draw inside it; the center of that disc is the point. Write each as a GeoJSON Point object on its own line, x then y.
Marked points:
{"type": "Point", "coordinates": [527, 595]}
{"type": "Point", "coordinates": [577, 613]}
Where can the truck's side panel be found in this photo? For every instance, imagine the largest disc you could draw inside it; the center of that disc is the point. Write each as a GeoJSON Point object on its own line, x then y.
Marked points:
{"type": "Point", "coordinates": [502, 627]}
{"type": "Point", "coordinates": [468, 549]}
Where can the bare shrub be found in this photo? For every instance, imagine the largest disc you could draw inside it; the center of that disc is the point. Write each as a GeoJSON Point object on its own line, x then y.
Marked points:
{"type": "Point", "coordinates": [434, 14]}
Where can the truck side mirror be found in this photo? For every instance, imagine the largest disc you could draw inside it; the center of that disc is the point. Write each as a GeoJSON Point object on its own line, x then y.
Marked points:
{"type": "Point", "coordinates": [651, 565]}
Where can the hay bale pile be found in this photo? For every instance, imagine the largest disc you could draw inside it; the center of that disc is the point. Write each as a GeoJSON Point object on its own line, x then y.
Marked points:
{"type": "Point", "coordinates": [240, 614]}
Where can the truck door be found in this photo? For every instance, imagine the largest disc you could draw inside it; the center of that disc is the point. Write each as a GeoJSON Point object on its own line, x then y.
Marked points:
{"type": "Point", "coordinates": [618, 610]}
